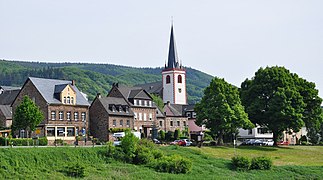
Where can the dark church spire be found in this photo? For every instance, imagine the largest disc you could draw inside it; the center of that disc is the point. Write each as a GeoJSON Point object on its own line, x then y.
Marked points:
{"type": "Point", "coordinates": [172, 54]}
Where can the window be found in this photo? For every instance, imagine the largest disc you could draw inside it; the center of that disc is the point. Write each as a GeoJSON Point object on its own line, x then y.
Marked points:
{"type": "Point", "coordinates": [150, 116]}
{"type": "Point", "coordinates": [121, 122]}
{"type": "Point", "coordinates": [76, 116]}
{"type": "Point", "coordinates": [249, 131]}
{"type": "Point", "coordinates": [120, 108]}
{"type": "Point", "coordinates": [50, 131]}
{"type": "Point", "coordinates": [145, 117]}
{"type": "Point", "coordinates": [139, 102]}
{"type": "Point", "coordinates": [113, 108]}
{"type": "Point", "coordinates": [160, 123]}
{"type": "Point", "coordinates": [68, 100]}
{"type": "Point", "coordinates": [184, 123]}
{"type": "Point", "coordinates": [135, 116]}
{"type": "Point", "coordinates": [148, 103]}
{"type": "Point", "coordinates": [127, 109]}
{"type": "Point", "coordinates": [167, 79]}
{"type": "Point", "coordinates": [61, 115]}
{"type": "Point", "coordinates": [64, 100]}
{"type": "Point", "coordinates": [83, 115]}
{"type": "Point", "coordinates": [60, 131]}
{"type": "Point", "coordinates": [188, 114]}
{"type": "Point", "coordinates": [53, 115]}
{"type": "Point", "coordinates": [135, 102]}
{"type": "Point", "coordinates": [178, 123]}
{"type": "Point", "coordinates": [114, 122]}
{"type": "Point", "coordinates": [128, 123]}
{"type": "Point", "coordinates": [140, 116]}
{"type": "Point", "coordinates": [68, 115]}
{"type": "Point", "coordinates": [180, 90]}
{"type": "Point", "coordinates": [70, 131]}
{"type": "Point", "coordinates": [194, 115]}
{"type": "Point", "coordinates": [72, 100]}
{"type": "Point", "coordinates": [145, 103]}
{"type": "Point", "coordinates": [179, 79]}
{"type": "Point", "coordinates": [171, 123]}
{"type": "Point", "coordinates": [77, 131]}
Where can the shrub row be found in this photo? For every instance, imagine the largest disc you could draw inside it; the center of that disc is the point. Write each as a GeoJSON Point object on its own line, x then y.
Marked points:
{"type": "Point", "coordinates": [23, 141]}
{"type": "Point", "coordinates": [257, 163]}
{"type": "Point", "coordinates": [135, 151]}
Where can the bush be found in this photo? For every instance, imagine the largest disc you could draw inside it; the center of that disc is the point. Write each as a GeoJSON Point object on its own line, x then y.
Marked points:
{"type": "Point", "coordinates": [143, 156]}
{"type": "Point", "coordinates": [23, 141]}
{"type": "Point", "coordinates": [161, 135]}
{"type": "Point", "coordinates": [75, 170]}
{"type": "Point", "coordinates": [173, 164]}
{"type": "Point", "coordinates": [261, 163]}
{"type": "Point", "coordinates": [240, 163]}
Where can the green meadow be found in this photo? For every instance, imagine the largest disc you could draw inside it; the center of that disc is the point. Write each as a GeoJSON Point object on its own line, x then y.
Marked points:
{"type": "Point", "coordinates": [293, 162]}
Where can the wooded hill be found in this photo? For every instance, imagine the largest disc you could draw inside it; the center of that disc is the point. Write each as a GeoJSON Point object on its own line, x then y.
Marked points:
{"type": "Point", "coordinates": [96, 78]}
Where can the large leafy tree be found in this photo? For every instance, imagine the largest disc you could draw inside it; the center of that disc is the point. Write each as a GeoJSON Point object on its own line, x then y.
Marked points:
{"type": "Point", "coordinates": [220, 110]}
{"type": "Point", "coordinates": [27, 115]}
{"type": "Point", "coordinates": [280, 100]}
{"type": "Point", "coordinates": [313, 113]}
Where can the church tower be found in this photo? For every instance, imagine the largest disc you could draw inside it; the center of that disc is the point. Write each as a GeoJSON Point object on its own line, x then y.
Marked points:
{"type": "Point", "coordinates": [174, 76]}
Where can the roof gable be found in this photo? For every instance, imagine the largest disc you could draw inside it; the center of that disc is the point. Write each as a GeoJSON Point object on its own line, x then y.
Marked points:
{"type": "Point", "coordinates": [48, 87]}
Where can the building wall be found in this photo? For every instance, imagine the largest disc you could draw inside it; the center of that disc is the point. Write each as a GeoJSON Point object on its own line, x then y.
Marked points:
{"type": "Point", "coordinates": [99, 121]}
{"type": "Point", "coordinates": [139, 123]}
{"type": "Point", "coordinates": [171, 91]}
{"type": "Point", "coordinates": [30, 90]}
{"type": "Point", "coordinates": [183, 122]}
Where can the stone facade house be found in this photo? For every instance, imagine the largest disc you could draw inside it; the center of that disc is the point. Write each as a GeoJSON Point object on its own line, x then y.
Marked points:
{"type": "Point", "coordinates": [107, 113]}
{"type": "Point", "coordinates": [65, 109]}
{"type": "Point", "coordinates": [142, 106]}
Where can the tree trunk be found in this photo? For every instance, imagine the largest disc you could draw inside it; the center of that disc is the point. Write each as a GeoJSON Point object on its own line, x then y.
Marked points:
{"type": "Point", "coordinates": [275, 137]}
{"type": "Point", "coordinates": [220, 138]}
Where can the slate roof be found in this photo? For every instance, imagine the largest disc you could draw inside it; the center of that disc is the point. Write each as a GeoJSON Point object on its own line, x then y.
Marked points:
{"type": "Point", "coordinates": [107, 101]}
{"type": "Point", "coordinates": [172, 53]}
{"type": "Point", "coordinates": [152, 88]}
{"type": "Point", "coordinates": [6, 110]}
{"type": "Point", "coordinates": [159, 113]}
{"type": "Point", "coordinates": [7, 97]}
{"type": "Point", "coordinates": [174, 109]}
{"type": "Point", "coordinates": [133, 92]}
{"type": "Point", "coordinates": [46, 88]}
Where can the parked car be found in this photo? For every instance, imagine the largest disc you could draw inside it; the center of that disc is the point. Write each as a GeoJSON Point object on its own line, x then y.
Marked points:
{"type": "Point", "coordinates": [269, 142]}
{"type": "Point", "coordinates": [156, 141]}
{"type": "Point", "coordinates": [174, 142]}
{"type": "Point", "coordinates": [187, 142]}
{"type": "Point", "coordinates": [258, 142]}
{"type": "Point", "coordinates": [286, 143]}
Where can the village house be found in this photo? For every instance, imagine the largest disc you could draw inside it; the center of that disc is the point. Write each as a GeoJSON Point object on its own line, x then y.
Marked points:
{"type": "Point", "coordinates": [65, 109]}
{"type": "Point", "coordinates": [108, 113]}
{"type": "Point", "coordinates": [7, 96]}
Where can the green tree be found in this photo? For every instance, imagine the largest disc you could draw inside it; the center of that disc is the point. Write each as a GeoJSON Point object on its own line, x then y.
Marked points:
{"type": "Point", "coordinates": [161, 135]}
{"type": "Point", "coordinates": [177, 134]}
{"type": "Point", "coordinates": [27, 115]}
{"type": "Point", "coordinates": [158, 101]}
{"type": "Point", "coordinates": [220, 110]}
{"type": "Point", "coordinates": [272, 99]}
{"type": "Point", "coordinates": [312, 114]}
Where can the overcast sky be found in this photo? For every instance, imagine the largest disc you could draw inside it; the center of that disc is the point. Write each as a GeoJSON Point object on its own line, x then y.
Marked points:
{"type": "Point", "coordinates": [229, 38]}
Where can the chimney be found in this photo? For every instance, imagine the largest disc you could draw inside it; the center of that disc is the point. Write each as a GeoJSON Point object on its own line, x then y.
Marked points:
{"type": "Point", "coordinates": [98, 95]}
{"type": "Point", "coordinates": [117, 84]}
{"type": "Point", "coordinates": [73, 82]}
{"type": "Point", "coordinates": [168, 103]}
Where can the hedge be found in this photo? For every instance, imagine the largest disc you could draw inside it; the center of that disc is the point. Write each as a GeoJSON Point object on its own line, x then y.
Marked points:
{"type": "Point", "coordinates": [23, 141]}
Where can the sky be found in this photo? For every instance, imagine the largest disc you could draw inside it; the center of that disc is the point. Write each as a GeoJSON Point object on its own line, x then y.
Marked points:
{"type": "Point", "coordinates": [230, 39]}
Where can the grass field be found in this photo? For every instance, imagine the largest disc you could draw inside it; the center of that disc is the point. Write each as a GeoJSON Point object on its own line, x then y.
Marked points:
{"type": "Point", "coordinates": [208, 163]}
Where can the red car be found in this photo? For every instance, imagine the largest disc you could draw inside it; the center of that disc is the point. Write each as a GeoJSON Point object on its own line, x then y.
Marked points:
{"type": "Point", "coordinates": [178, 142]}
{"type": "Point", "coordinates": [286, 143]}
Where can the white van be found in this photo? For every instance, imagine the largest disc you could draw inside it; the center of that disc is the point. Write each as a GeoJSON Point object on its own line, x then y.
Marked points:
{"type": "Point", "coordinates": [119, 135]}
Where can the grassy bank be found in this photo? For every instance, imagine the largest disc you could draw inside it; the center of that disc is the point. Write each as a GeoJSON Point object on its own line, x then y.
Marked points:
{"type": "Point", "coordinates": [208, 163]}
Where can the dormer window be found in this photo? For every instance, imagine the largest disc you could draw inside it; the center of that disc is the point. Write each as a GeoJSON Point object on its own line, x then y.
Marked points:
{"type": "Point", "coordinates": [64, 100]}
{"type": "Point", "coordinates": [120, 108]}
{"type": "Point", "coordinates": [72, 100]}
{"type": "Point", "coordinates": [145, 103]}
{"type": "Point", "coordinates": [113, 108]}
{"type": "Point", "coordinates": [134, 102]}
{"type": "Point", "coordinates": [139, 102]}
{"type": "Point", "coordinates": [68, 100]}
{"type": "Point", "coordinates": [127, 109]}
